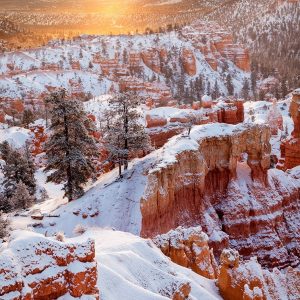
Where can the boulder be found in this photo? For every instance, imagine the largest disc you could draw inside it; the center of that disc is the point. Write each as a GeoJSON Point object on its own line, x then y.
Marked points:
{"type": "Point", "coordinates": [189, 248]}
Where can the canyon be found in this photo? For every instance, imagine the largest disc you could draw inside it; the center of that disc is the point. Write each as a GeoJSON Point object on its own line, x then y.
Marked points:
{"type": "Point", "coordinates": [239, 215]}
{"type": "Point", "coordinates": [219, 178]}
{"type": "Point", "coordinates": [155, 66]}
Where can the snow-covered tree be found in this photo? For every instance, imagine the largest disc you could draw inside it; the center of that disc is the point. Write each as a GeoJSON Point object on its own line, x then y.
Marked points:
{"type": "Point", "coordinates": [21, 197]}
{"type": "Point", "coordinates": [71, 147]}
{"type": "Point", "coordinates": [245, 89]}
{"type": "Point", "coordinates": [125, 135]}
{"type": "Point", "coordinates": [229, 85]}
{"type": "Point", "coordinates": [18, 168]}
{"type": "Point", "coordinates": [3, 226]}
{"type": "Point", "coordinates": [216, 91]}
{"type": "Point", "coordinates": [28, 117]}
{"type": "Point", "coordinates": [5, 150]}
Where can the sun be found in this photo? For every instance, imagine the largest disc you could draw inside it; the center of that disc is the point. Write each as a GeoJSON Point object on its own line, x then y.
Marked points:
{"type": "Point", "coordinates": [111, 8]}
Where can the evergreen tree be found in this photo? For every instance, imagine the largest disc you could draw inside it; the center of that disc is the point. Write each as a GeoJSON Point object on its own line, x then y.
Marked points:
{"type": "Point", "coordinates": [5, 150]}
{"type": "Point", "coordinates": [21, 197]}
{"type": "Point", "coordinates": [71, 148]}
{"type": "Point", "coordinates": [18, 168]}
{"type": "Point", "coordinates": [28, 117]}
{"type": "Point", "coordinates": [125, 135]}
{"type": "Point", "coordinates": [284, 89]}
{"type": "Point", "coordinates": [4, 205]}
{"type": "Point", "coordinates": [216, 91]}
{"type": "Point", "coordinates": [246, 89]}
{"type": "Point", "coordinates": [229, 85]}
{"type": "Point", "coordinates": [3, 226]}
{"type": "Point", "coordinates": [208, 91]}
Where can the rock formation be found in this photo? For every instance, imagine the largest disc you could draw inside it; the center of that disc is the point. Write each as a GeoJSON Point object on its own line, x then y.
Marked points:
{"type": "Point", "coordinates": [224, 184]}
{"type": "Point", "coordinates": [189, 62]}
{"type": "Point", "coordinates": [290, 148]}
{"type": "Point", "coordinates": [151, 59]}
{"type": "Point", "coordinates": [236, 279]}
{"type": "Point", "coordinates": [162, 128]}
{"type": "Point", "coordinates": [189, 248]}
{"type": "Point", "coordinates": [216, 43]}
{"type": "Point", "coordinates": [248, 280]}
{"type": "Point", "coordinates": [35, 267]}
{"type": "Point", "coordinates": [274, 119]}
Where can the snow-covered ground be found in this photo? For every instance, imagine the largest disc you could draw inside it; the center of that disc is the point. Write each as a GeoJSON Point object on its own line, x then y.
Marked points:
{"type": "Point", "coordinates": [134, 268]}
{"type": "Point", "coordinates": [53, 65]}
{"type": "Point", "coordinates": [15, 136]}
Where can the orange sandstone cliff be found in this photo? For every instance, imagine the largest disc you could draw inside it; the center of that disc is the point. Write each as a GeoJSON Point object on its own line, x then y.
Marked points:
{"type": "Point", "coordinates": [223, 183]}
{"type": "Point", "coordinates": [291, 147]}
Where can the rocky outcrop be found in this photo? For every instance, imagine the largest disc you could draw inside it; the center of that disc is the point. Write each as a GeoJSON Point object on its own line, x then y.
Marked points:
{"type": "Point", "coordinates": [211, 166]}
{"type": "Point", "coordinates": [274, 119]}
{"type": "Point", "coordinates": [152, 59]}
{"type": "Point", "coordinates": [189, 248]}
{"type": "Point", "coordinates": [248, 280]}
{"type": "Point", "coordinates": [216, 43]}
{"type": "Point", "coordinates": [35, 267]}
{"type": "Point", "coordinates": [189, 62]}
{"type": "Point", "coordinates": [162, 128]}
{"type": "Point", "coordinates": [225, 185]}
{"type": "Point", "coordinates": [290, 148]}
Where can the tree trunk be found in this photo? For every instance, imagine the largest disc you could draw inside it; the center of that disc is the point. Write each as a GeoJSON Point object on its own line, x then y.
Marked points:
{"type": "Point", "coordinates": [120, 168]}
{"type": "Point", "coordinates": [126, 138]}
{"type": "Point", "coordinates": [69, 171]}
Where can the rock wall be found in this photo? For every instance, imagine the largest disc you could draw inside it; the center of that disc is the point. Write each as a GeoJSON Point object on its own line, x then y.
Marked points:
{"type": "Point", "coordinates": [162, 128]}
{"type": "Point", "coordinates": [248, 280]}
{"type": "Point", "coordinates": [189, 248]}
{"type": "Point", "coordinates": [226, 187]}
{"type": "Point", "coordinates": [189, 62]}
{"type": "Point", "coordinates": [290, 149]}
{"type": "Point", "coordinates": [216, 43]}
{"type": "Point", "coordinates": [235, 278]}
{"type": "Point", "coordinates": [35, 267]}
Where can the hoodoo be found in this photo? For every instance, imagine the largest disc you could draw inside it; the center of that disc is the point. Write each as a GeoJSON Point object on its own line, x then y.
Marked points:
{"type": "Point", "coordinates": [290, 148]}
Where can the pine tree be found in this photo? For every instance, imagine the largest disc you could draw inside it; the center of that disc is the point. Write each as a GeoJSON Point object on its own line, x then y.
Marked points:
{"type": "Point", "coordinates": [245, 89]}
{"type": "Point", "coordinates": [208, 91]}
{"type": "Point", "coordinates": [125, 135]}
{"type": "Point", "coordinates": [71, 148]}
{"type": "Point", "coordinates": [3, 226]}
{"type": "Point", "coordinates": [18, 167]}
{"type": "Point", "coordinates": [28, 117]}
{"type": "Point", "coordinates": [284, 89]}
{"type": "Point", "coordinates": [21, 197]}
{"type": "Point", "coordinates": [4, 203]}
{"type": "Point", "coordinates": [229, 85]}
{"type": "Point", "coordinates": [216, 91]}
{"type": "Point", "coordinates": [5, 150]}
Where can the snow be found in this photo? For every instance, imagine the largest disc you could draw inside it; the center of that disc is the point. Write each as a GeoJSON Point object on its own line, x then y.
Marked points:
{"type": "Point", "coordinates": [51, 65]}
{"type": "Point", "coordinates": [257, 112]}
{"type": "Point", "coordinates": [133, 268]}
{"type": "Point", "coordinates": [15, 136]}
{"type": "Point", "coordinates": [206, 99]}
{"type": "Point", "coordinates": [112, 202]}
{"type": "Point", "coordinates": [129, 267]}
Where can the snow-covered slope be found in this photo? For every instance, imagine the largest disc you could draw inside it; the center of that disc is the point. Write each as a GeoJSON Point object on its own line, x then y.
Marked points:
{"type": "Point", "coordinates": [96, 65]}
{"type": "Point", "coordinates": [134, 268]}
